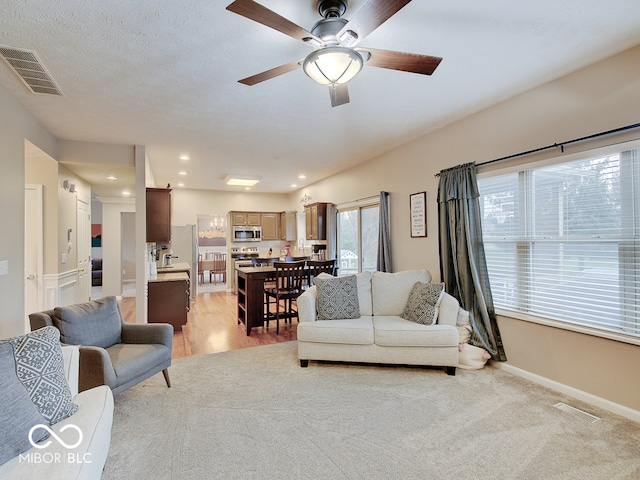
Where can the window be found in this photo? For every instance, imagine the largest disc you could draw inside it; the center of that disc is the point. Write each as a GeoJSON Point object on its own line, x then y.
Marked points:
{"type": "Point", "coordinates": [562, 241]}
{"type": "Point", "coordinates": [357, 239]}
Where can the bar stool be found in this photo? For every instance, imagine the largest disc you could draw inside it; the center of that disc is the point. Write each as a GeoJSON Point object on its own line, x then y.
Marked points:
{"type": "Point", "coordinates": [289, 280]}
{"type": "Point", "coordinates": [316, 267]}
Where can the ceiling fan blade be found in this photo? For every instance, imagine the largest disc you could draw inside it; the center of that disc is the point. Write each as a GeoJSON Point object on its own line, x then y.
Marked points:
{"type": "Point", "coordinates": [373, 14]}
{"type": "Point", "coordinates": [261, 14]}
{"type": "Point", "coordinates": [274, 72]}
{"type": "Point", "coordinates": [407, 62]}
{"type": "Point", "coordinates": [339, 94]}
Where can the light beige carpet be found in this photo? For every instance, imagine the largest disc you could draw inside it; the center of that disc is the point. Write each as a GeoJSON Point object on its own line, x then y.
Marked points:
{"type": "Point", "coordinates": [255, 414]}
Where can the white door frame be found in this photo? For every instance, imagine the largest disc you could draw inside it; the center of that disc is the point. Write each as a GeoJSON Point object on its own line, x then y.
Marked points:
{"type": "Point", "coordinates": [33, 246]}
{"type": "Point", "coordinates": [83, 247]}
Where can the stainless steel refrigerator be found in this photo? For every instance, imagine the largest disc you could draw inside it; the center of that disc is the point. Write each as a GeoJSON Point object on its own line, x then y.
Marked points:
{"type": "Point", "coordinates": [184, 244]}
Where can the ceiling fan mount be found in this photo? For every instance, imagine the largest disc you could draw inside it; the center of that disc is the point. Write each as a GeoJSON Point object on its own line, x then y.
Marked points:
{"type": "Point", "coordinates": [335, 60]}
{"type": "Point", "coordinates": [332, 8]}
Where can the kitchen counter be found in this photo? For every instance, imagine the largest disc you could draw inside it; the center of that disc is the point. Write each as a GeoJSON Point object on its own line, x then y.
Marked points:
{"type": "Point", "coordinates": [176, 267]}
{"type": "Point", "coordinates": [169, 276]}
{"type": "Point", "coordinates": [168, 299]}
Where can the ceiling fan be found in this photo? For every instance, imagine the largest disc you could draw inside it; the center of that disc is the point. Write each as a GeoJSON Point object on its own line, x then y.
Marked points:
{"type": "Point", "coordinates": [335, 60]}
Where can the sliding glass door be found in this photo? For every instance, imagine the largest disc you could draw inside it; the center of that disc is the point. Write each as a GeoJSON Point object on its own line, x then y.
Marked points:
{"type": "Point", "coordinates": [357, 239]}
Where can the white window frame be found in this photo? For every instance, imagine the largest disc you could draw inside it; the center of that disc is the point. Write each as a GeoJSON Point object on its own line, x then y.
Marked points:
{"type": "Point", "coordinates": [632, 203]}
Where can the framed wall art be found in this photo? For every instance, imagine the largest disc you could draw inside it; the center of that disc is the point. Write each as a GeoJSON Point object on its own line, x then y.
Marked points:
{"type": "Point", "coordinates": [418, 211]}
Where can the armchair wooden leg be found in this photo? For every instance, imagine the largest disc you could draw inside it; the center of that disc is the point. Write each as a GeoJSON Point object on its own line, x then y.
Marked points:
{"type": "Point", "coordinates": [165, 372]}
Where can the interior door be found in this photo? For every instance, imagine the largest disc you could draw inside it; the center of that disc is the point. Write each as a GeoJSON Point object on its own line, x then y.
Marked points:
{"type": "Point", "coordinates": [33, 251]}
{"type": "Point", "coordinates": [83, 239]}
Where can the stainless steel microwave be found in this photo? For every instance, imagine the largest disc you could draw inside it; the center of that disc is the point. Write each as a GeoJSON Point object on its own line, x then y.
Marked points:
{"type": "Point", "coordinates": [247, 233]}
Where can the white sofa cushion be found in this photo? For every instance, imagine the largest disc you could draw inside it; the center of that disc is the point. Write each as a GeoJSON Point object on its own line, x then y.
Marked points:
{"type": "Point", "coordinates": [390, 291]}
{"type": "Point", "coordinates": [393, 331]}
{"type": "Point", "coordinates": [364, 293]}
{"type": "Point", "coordinates": [358, 331]}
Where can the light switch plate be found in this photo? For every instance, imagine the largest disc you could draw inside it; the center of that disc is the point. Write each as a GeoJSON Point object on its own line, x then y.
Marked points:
{"type": "Point", "coordinates": [63, 258]}
{"type": "Point", "coordinates": [4, 267]}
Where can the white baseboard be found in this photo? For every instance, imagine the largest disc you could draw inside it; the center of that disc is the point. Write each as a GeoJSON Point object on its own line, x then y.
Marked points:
{"type": "Point", "coordinates": [600, 402]}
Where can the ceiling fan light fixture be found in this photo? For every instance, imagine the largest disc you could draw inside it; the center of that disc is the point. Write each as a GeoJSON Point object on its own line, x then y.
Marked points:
{"type": "Point", "coordinates": [333, 65]}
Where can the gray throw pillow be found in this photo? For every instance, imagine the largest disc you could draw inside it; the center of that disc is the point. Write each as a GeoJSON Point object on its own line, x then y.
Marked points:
{"type": "Point", "coordinates": [337, 298]}
{"type": "Point", "coordinates": [40, 368]}
{"type": "Point", "coordinates": [19, 414]}
{"type": "Point", "coordinates": [96, 323]}
{"type": "Point", "coordinates": [423, 303]}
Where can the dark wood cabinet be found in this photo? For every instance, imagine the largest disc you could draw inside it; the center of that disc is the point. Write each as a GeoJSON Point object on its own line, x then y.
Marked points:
{"type": "Point", "coordinates": [316, 221]}
{"type": "Point", "coordinates": [168, 301]}
{"type": "Point", "coordinates": [159, 215]}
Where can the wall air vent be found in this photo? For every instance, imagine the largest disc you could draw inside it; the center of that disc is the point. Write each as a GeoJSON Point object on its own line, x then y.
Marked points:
{"type": "Point", "coordinates": [28, 67]}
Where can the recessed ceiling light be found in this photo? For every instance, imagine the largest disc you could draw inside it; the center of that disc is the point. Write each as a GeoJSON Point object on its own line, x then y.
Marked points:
{"type": "Point", "coordinates": [181, 184]}
{"type": "Point", "coordinates": [293, 185]}
{"type": "Point", "coordinates": [112, 177]}
{"type": "Point", "coordinates": [184, 157]}
{"type": "Point", "coordinates": [247, 188]}
{"type": "Point", "coordinates": [182, 172]}
{"type": "Point", "coordinates": [242, 180]}
{"type": "Point", "coordinates": [301, 176]}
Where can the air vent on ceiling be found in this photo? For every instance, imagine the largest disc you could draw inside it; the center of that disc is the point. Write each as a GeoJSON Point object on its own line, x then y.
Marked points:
{"type": "Point", "coordinates": [28, 67]}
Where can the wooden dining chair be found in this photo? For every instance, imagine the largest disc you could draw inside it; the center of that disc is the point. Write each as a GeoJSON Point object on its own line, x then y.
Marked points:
{"type": "Point", "coordinates": [219, 267]}
{"type": "Point", "coordinates": [289, 277]}
{"type": "Point", "coordinates": [200, 270]}
{"type": "Point", "coordinates": [316, 267]}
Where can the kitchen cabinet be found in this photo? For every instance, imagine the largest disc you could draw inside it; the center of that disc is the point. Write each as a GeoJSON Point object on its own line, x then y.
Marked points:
{"type": "Point", "coordinates": [270, 226]}
{"type": "Point", "coordinates": [159, 215]}
{"type": "Point", "coordinates": [246, 218]}
{"type": "Point", "coordinates": [288, 226]}
{"type": "Point", "coordinates": [168, 300]}
{"type": "Point", "coordinates": [316, 221]}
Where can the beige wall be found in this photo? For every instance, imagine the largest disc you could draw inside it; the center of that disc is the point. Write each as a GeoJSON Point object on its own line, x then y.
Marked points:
{"type": "Point", "coordinates": [68, 218]}
{"type": "Point", "coordinates": [16, 125]}
{"type": "Point", "coordinates": [41, 169]}
{"type": "Point", "coordinates": [599, 98]}
{"type": "Point", "coordinates": [188, 204]}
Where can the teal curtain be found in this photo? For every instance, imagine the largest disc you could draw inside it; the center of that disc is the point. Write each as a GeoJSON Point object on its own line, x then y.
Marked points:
{"type": "Point", "coordinates": [384, 235]}
{"type": "Point", "coordinates": [463, 267]}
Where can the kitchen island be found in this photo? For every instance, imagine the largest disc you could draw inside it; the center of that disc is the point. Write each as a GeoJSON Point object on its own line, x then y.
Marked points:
{"type": "Point", "coordinates": [251, 295]}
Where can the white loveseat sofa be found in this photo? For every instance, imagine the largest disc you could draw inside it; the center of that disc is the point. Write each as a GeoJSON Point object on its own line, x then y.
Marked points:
{"type": "Point", "coordinates": [93, 418]}
{"type": "Point", "coordinates": [381, 335]}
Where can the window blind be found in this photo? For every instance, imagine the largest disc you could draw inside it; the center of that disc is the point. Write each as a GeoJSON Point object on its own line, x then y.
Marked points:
{"type": "Point", "coordinates": [562, 241]}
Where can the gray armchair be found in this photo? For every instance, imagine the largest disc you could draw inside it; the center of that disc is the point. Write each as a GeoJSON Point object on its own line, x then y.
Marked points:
{"type": "Point", "coordinates": [112, 352]}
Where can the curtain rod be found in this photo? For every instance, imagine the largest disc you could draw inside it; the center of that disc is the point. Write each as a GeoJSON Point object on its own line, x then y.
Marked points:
{"type": "Point", "coordinates": [556, 145]}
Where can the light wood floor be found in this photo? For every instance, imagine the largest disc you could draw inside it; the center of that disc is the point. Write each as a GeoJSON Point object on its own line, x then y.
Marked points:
{"type": "Point", "coordinates": [212, 327]}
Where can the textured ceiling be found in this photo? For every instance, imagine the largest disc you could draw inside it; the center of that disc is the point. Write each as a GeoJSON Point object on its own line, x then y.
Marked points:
{"type": "Point", "coordinates": [164, 75]}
